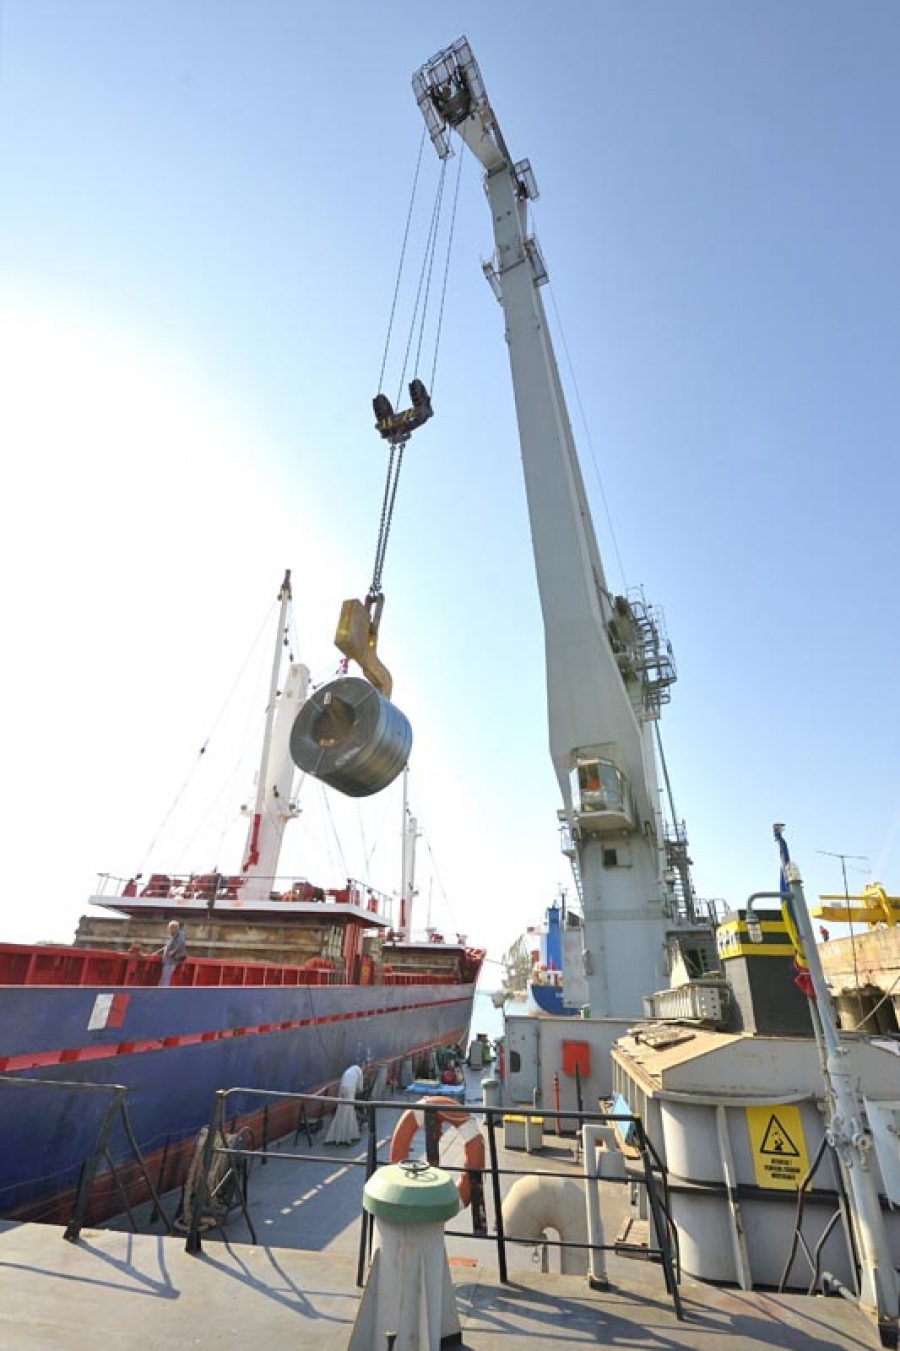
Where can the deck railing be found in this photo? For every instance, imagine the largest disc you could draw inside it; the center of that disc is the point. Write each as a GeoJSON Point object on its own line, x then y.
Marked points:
{"type": "Point", "coordinates": [115, 1112]}
{"type": "Point", "coordinates": [213, 887]}
{"type": "Point", "coordinates": [49, 964]}
{"type": "Point", "coordinates": [311, 1109]}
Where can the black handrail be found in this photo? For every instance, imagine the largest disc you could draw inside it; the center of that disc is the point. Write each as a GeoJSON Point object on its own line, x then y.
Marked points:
{"type": "Point", "coordinates": [115, 1108]}
{"type": "Point", "coordinates": [663, 1225]}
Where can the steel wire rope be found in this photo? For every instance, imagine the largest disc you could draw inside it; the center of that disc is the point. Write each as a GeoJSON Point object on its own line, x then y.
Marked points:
{"type": "Point", "coordinates": [587, 433]}
{"type": "Point", "coordinates": [423, 289]}
{"type": "Point", "coordinates": [395, 461]}
{"type": "Point", "coordinates": [390, 496]}
{"type": "Point", "coordinates": [204, 747]}
{"type": "Point", "coordinates": [872, 1011]}
{"type": "Point", "coordinates": [415, 334]}
{"type": "Point", "coordinates": [450, 235]}
{"type": "Point", "coordinates": [330, 836]}
{"type": "Point", "coordinates": [798, 1214]}
{"type": "Point", "coordinates": [599, 480]}
{"type": "Point", "coordinates": [435, 871]}
{"type": "Point", "coordinates": [409, 217]}
{"type": "Point", "coordinates": [228, 816]}
{"type": "Point", "coordinates": [381, 829]}
{"type": "Point", "coordinates": [335, 836]}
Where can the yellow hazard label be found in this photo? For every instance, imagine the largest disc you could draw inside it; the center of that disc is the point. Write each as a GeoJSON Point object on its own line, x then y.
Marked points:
{"type": "Point", "coordinates": [778, 1146]}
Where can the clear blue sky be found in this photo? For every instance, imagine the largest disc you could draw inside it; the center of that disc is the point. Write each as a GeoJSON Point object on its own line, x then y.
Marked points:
{"type": "Point", "coordinates": [200, 223]}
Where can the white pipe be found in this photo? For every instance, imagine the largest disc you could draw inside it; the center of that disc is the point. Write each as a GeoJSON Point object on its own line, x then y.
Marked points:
{"type": "Point", "coordinates": [538, 1203]}
{"type": "Point", "coordinates": [727, 1100]}
{"type": "Point", "coordinates": [591, 1138]}
{"type": "Point", "coordinates": [738, 1237]}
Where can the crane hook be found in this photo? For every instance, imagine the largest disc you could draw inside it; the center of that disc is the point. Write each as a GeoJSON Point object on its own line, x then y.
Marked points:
{"type": "Point", "coordinates": [357, 638]}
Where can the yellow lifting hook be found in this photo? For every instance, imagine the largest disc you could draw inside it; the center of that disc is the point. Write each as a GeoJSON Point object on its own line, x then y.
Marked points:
{"type": "Point", "coordinates": [357, 638]}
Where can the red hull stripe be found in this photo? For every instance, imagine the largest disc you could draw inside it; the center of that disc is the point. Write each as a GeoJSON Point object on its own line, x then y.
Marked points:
{"type": "Point", "coordinates": [13, 1064]}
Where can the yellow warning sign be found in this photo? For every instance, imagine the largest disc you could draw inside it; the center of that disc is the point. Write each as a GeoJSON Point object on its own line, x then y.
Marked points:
{"type": "Point", "coordinates": [778, 1146]}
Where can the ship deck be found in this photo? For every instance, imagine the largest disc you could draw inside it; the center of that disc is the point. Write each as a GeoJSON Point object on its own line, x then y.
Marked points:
{"type": "Point", "coordinates": [297, 1285]}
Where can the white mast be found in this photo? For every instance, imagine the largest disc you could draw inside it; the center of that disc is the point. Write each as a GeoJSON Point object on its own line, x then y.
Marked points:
{"type": "Point", "coordinates": [275, 802]}
{"type": "Point", "coordinates": [846, 1127]}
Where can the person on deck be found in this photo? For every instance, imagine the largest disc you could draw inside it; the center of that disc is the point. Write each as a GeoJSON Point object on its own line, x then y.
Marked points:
{"type": "Point", "coordinates": [453, 1074]}
{"type": "Point", "coordinates": [344, 1127]}
{"type": "Point", "coordinates": [173, 952]}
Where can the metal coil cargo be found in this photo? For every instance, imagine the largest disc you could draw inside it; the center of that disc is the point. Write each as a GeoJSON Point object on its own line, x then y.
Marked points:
{"type": "Point", "coordinates": [351, 737]}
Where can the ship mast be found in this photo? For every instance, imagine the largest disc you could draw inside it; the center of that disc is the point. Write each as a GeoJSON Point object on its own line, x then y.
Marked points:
{"type": "Point", "coordinates": [275, 802]}
{"type": "Point", "coordinates": [408, 863]}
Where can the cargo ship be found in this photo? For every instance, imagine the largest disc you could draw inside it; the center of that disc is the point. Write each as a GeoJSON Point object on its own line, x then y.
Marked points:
{"type": "Point", "coordinates": [534, 965]}
{"type": "Point", "coordinates": [284, 983]}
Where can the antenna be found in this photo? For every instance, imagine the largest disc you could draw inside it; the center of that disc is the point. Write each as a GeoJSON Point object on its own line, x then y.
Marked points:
{"type": "Point", "coordinates": [856, 858]}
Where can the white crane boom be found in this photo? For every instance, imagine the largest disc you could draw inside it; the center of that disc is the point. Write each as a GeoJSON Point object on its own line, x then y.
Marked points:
{"type": "Point", "coordinates": [608, 669]}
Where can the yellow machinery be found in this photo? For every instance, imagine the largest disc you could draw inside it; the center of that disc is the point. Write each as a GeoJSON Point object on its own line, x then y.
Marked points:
{"type": "Point", "coordinates": [873, 907]}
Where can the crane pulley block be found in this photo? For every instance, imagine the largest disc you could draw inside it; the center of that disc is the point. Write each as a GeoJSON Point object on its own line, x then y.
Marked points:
{"type": "Point", "coordinates": [397, 428]}
{"type": "Point", "coordinates": [357, 638]}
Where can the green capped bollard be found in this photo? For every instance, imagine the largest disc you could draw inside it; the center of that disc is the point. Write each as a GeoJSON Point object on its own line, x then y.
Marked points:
{"type": "Point", "coordinates": [409, 1292]}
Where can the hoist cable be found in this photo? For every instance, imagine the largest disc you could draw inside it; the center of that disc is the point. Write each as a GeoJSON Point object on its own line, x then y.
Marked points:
{"type": "Point", "coordinates": [409, 216]}
{"type": "Point", "coordinates": [440, 322]}
{"type": "Point", "coordinates": [428, 269]}
{"type": "Point", "coordinates": [585, 426]}
{"type": "Point", "coordinates": [424, 274]}
{"type": "Point", "coordinates": [415, 334]}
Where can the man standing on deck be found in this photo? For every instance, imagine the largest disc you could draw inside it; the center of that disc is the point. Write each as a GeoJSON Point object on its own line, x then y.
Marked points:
{"type": "Point", "coordinates": [173, 953]}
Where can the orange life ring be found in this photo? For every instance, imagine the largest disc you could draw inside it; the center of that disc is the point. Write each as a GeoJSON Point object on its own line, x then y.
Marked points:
{"type": "Point", "coordinates": [413, 1120]}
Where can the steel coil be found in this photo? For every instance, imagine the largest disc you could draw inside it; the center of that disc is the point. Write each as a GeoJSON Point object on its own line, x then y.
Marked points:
{"type": "Point", "coordinates": [351, 737]}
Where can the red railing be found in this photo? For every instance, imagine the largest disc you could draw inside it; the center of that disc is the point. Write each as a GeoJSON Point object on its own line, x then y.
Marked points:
{"type": "Point", "coordinates": [48, 965]}
{"type": "Point", "coordinates": [210, 887]}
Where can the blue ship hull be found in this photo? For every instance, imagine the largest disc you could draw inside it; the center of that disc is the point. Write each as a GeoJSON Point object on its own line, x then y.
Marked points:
{"type": "Point", "coordinates": [173, 1049]}
{"type": "Point", "coordinates": [549, 999]}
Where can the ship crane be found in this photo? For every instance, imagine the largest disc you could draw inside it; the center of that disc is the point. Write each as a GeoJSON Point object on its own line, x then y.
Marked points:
{"type": "Point", "coordinates": [608, 664]}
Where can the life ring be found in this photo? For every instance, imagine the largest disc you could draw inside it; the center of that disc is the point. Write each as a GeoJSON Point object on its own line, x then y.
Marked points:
{"type": "Point", "coordinates": [413, 1120]}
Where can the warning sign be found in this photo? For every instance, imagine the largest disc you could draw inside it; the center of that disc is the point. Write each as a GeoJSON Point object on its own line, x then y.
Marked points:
{"type": "Point", "coordinates": [778, 1146]}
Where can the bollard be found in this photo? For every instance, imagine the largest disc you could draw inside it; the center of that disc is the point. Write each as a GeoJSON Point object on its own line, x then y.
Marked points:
{"type": "Point", "coordinates": [409, 1292]}
{"type": "Point", "coordinates": [490, 1092]}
